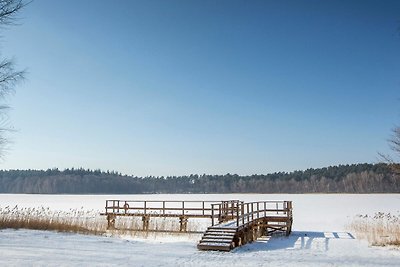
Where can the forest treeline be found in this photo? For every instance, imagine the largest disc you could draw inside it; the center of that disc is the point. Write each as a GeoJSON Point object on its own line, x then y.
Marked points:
{"type": "Point", "coordinates": [356, 178]}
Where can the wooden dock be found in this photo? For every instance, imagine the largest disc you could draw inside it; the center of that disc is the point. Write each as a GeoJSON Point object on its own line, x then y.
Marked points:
{"type": "Point", "coordinates": [233, 222]}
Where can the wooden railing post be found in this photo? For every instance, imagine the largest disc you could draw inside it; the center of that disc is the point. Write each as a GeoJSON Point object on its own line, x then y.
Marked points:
{"type": "Point", "coordinates": [248, 212]}
{"type": "Point", "coordinates": [252, 211]}
{"type": "Point", "coordinates": [242, 212]}
{"type": "Point", "coordinates": [236, 204]}
{"type": "Point", "coordinates": [212, 214]}
{"type": "Point", "coordinates": [237, 214]}
{"type": "Point", "coordinates": [163, 206]}
{"type": "Point", "coordinates": [265, 209]}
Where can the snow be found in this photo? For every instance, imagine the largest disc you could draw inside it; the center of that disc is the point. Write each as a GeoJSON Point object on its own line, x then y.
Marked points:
{"type": "Point", "coordinates": [320, 236]}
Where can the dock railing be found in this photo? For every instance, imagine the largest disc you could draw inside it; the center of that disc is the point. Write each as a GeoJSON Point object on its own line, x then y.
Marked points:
{"type": "Point", "coordinates": [167, 208]}
{"type": "Point", "coordinates": [237, 213]}
{"type": "Point", "coordinates": [249, 211]}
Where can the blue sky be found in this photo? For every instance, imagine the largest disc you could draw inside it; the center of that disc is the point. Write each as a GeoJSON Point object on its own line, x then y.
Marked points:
{"type": "Point", "coordinates": [180, 87]}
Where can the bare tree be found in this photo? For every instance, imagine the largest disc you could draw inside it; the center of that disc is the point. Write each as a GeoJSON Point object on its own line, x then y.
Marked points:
{"type": "Point", "coordinates": [395, 140]}
{"type": "Point", "coordinates": [394, 144]}
{"type": "Point", "coordinates": [9, 76]}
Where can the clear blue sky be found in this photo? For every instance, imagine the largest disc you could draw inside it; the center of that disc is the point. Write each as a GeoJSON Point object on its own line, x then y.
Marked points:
{"type": "Point", "coordinates": [180, 87]}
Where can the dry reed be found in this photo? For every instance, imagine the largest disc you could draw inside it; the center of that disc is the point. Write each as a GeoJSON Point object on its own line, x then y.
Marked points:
{"type": "Point", "coordinates": [382, 229]}
{"type": "Point", "coordinates": [74, 220]}
{"type": "Point", "coordinates": [86, 222]}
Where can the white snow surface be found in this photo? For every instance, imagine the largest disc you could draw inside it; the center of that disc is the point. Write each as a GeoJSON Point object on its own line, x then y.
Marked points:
{"type": "Point", "coordinates": [320, 236]}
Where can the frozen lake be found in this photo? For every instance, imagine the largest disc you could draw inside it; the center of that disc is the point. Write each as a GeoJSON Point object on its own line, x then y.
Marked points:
{"type": "Point", "coordinates": [310, 211]}
{"type": "Point", "coordinates": [320, 237]}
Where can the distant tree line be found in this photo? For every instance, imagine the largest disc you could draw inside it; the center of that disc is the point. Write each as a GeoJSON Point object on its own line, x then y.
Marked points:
{"type": "Point", "coordinates": [356, 178]}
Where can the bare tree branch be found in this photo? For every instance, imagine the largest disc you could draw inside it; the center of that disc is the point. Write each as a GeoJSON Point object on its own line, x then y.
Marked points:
{"type": "Point", "coordinates": [394, 144]}
{"type": "Point", "coordinates": [9, 76]}
{"type": "Point", "coordinates": [9, 9]}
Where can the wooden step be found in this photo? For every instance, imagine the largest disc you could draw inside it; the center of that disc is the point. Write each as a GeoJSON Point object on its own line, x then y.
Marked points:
{"type": "Point", "coordinates": [214, 246]}
{"type": "Point", "coordinates": [218, 237]}
{"type": "Point", "coordinates": [219, 234]}
{"type": "Point", "coordinates": [221, 230]}
{"type": "Point", "coordinates": [219, 241]}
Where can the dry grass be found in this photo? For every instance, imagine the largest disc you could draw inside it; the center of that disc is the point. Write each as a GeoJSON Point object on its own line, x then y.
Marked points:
{"type": "Point", "coordinates": [382, 229]}
{"type": "Point", "coordinates": [86, 222]}
{"type": "Point", "coordinates": [158, 227]}
{"type": "Point", "coordinates": [78, 221]}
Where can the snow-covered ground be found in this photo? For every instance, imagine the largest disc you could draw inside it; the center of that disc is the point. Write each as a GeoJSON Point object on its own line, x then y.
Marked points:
{"type": "Point", "coordinates": [320, 236]}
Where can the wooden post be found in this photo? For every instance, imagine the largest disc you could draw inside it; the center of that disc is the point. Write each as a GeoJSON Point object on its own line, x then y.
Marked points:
{"type": "Point", "coordinates": [265, 209]}
{"type": "Point", "coordinates": [252, 211]}
{"type": "Point", "coordinates": [237, 214]}
{"type": "Point", "coordinates": [163, 207]}
{"type": "Point", "coordinates": [265, 228]}
{"type": "Point", "coordinates": [146, 221]}
{"type": "Point", "coordinates": [183, 224]}
{"type": "Point", "coordinates": [234, 209]}
{"type": "Point", "coordinates": [289, 208]}
{"type": "Point", "coordinates": [250, 234]}
{"type": "Point", "coordinates": [242, 212]}
{"type": "Point", "coordinates": [212, 214]}
{"type": "Point", "coordinates": [110, 221]}
{"type": "Point", "coordinates": [220, 211]}
{"type": "Point", "coordinates": [126, 207]}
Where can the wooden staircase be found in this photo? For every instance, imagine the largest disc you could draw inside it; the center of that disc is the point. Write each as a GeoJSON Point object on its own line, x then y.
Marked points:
{"type": "Point", "coordinates": [217, 238]}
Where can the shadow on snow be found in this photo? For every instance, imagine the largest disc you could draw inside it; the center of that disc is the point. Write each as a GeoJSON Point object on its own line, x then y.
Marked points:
{"type": "Point", "coordinates": [297, 240]}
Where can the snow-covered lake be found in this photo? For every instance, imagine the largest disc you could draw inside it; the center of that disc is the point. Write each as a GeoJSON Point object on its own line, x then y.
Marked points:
{"type": "Point", "coordinates": [321, 236]}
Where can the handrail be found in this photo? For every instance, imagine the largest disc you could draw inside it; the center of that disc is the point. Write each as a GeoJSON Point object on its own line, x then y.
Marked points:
{"type": "Point", "coordinates": [161, 207]}
{"type": "Point", "coordinates": [260, 209]}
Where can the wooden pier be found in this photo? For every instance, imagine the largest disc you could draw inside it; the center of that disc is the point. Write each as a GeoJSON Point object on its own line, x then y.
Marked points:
{"type": "Point", "coordinates": [233, 222]}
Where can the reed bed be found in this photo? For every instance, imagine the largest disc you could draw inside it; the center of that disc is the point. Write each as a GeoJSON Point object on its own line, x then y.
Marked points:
{"type": "Point", "coordinates": [87, 222]}
{"type": "Point", "coordinates": [382, 229]}
{"type": "Point", "coordinates": [41, 218]}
